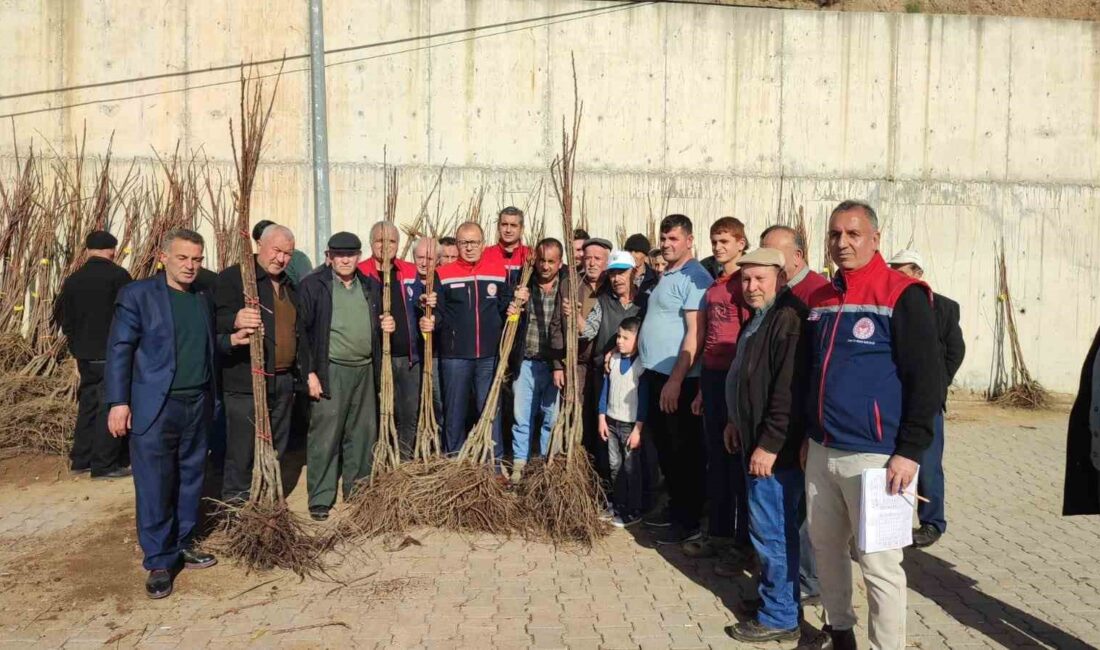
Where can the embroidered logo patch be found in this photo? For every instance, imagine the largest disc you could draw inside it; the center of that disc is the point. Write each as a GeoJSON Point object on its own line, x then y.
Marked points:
{"type": "Point", "coordinates": [409, 290]}
{"type": "Point", "coordinates": [863, 329]}
{"type": "Point", "coordinates": [491, 290]}
{"type": "Point", "coordinates": [814, 315]}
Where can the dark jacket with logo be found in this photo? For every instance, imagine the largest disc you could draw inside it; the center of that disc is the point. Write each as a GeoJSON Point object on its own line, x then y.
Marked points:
{"type": "Point", "coordinates": [315, 322]}
{"type": "Point", "coordinates": [471, 307]}
{"type": "Point", "coordinates": [228, 300]}
{"type": "Point", "coordinates": [84, 307]}
{"type": "Point", "coordinates": [877, 380]}
{"type": "Point", "coordinates": [772, 382]}
{"type": "Point", "coordinates": [411, 288]}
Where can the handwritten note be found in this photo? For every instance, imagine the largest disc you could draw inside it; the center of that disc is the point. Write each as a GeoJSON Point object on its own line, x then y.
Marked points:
{"type": "Point", "coordinates": [885, 520]}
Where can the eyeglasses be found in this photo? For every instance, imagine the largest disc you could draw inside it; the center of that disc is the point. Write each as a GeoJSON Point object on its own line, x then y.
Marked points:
{"type": "Point", "coordinates": [469, 243]}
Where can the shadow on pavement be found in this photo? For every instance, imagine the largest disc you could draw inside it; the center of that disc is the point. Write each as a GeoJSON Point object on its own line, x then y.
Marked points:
{"type": "Point", "coordinates": [731, 591]}
{"type": "Point", "coordinates": [937, 580]}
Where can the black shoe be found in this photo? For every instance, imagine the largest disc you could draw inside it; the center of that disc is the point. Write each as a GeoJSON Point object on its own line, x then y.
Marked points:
{"type": "Point", "coordinates": [80, 470]}
{"type": "Point", "coordinates": [750, 606]}
{"type": "Point", "coordinates": [754, 632]}
{"type": "Point", "coordinates": [118, 472]}
{"type": "Point", "coordinates": [158, 584]}
{"type": "Point", "coordinates": [677, 534]}
{"type": "Point", "coordinates": [193, 559]}
{"type": "Point", "coordinates": [841, 639]}
{"type": "Point", "coordinates": [926, 536]}
{"type": "Point", "coordinates": [658, 519]}
{"type": "Point", "coordinates": [318, 514]}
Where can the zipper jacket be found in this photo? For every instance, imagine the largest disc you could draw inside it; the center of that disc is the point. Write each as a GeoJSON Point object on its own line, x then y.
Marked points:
{"type": "Point", "coordinates": [408, 278]}
{"type": "Point", "coordinates": [472, 304]}
{"type": "Point", "coordinates": [870, 391]}
{"type": "Point", "coordinates": [513, 262]}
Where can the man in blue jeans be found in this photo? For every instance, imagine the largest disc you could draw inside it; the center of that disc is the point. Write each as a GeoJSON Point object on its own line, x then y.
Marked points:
{"type": "Point", "coordinates": [537, 361]}
{"type": "Point", "coordinates": [473, 298]}
{"type": "Point", "coordinates": [764, 410]}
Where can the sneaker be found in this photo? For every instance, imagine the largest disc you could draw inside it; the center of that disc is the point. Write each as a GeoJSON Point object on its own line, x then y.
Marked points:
{"type": "Point", "coordinates": [319, 513]}
{"type": "Point", "coordinates": [194, 559]}
{"type": "Point", "coordinates": [926, 536]}
{"type": "Point", "coordinates": [80, 470]}
{"type": "Point", "coordinates": [118, 472]}
{"type": "Point", "coordinates": [158, 584]}
{"type": "Point", "coordinates": [658, 519]}
{"type": "Point", "coordinates": [625, 521]}
{"type": "Point", "coordinates": [754, 632]}
{"type": "Point", "coordinates": [678, 535]}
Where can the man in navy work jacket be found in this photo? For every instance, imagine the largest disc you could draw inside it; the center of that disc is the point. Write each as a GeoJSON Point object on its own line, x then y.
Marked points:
{"type": "Point", "coordinates": [472, 304]}
{"type": "Point", "coordinates": [875, 388]}
{"type": "Point", "coordinates": [161, 374]}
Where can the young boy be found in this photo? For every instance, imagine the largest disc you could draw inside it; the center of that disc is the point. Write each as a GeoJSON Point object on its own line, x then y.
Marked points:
{"type": "Point", "coordinates": [622, 415]}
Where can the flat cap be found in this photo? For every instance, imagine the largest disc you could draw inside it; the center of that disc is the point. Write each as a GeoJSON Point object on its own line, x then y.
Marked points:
{"type": "Point", "coordinates": [100, 240]}
{"type": "Point", "coordinates": [344, 242]}
{"type": "Point", "coordinates": [260, 227]}
{"type": "Point", "coordinates": [598, 241]}
{"type": "Point", "coordinates": [907, 256]}
{"type": "Point", "coordinates": [637, 243]}
{"type": "Point", "coordinates": [763, 257]}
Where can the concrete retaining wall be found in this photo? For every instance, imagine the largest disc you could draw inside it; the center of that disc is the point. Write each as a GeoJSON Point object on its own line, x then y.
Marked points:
{"type": "Point", "coordinates": [962, 130]}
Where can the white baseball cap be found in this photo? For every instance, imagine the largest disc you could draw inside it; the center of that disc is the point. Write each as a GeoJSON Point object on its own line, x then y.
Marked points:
{"type": "Point", "coordinates": [907, 256]}
{"type": "Point", "coordinates": [620, 261]}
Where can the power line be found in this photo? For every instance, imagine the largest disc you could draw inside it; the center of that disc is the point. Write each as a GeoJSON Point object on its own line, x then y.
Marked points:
{"type": "Point", "coordinates": [295, 57]}
{"type": "Point", "coordinates": [586, 14]}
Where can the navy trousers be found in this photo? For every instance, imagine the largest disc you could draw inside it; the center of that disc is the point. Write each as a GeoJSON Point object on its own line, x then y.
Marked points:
{"type": "Point", "coordinates": [460, 377]}
{"type": "Point", "coordinates": [168, 462]}
{"type": "Point", "coordinates": [726, 492]}
{"type": "Point", "coordinates": [930, 482]}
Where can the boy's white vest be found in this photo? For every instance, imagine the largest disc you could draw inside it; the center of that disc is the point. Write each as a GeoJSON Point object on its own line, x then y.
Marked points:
{"type": "Point", "coordinates": [622, 390]}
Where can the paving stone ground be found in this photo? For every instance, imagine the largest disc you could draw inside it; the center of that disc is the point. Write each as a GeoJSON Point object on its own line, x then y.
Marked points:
{"type": "Point", "coordinates": [1011, 572]}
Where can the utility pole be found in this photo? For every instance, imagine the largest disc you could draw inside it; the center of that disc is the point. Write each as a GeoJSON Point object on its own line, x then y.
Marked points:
{"type": "Point", "coordinates": [322, 223]}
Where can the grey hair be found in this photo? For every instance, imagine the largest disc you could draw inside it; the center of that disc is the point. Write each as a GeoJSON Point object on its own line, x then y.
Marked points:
{"type": "Point", "coordinates": [276, 229]}
{"type": "Point", "coordinates": [180, 233]}
{"type": "Point", "coordinates": [852, 204]}
{"type": "Point", "coordinates": [383, 224]}
{"type": "Point", "coordinates": [799, 240]}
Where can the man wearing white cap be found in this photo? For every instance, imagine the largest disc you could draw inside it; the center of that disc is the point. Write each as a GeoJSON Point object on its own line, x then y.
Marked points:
{"type": "Point", "coordinates": [930, 481]}
{"type": "Point", "coordinates": [617, 300]}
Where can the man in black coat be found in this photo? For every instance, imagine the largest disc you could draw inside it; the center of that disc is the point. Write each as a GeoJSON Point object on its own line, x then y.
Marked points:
{"type": "Point", "coordinates": [83, 310]}
{"type": "Point", "coordinates": [930, 481]}
{"type": "Point", "coordinates": [277, 314]}
{"type": "Point", "coordinates": [1082, 491]}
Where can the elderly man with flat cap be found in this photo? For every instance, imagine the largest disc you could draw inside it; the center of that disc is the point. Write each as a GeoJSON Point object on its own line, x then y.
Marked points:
{"type": "Point", "coordinates": [83, 310]}
{"type": "Point", "coordinates": [765, 390]}
{"type": "Point", "coordinates": [341, 342]}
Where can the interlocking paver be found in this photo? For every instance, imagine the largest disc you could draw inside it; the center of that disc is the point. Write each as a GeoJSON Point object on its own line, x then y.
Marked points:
{"type": "Point", "coordinates": [1010, 572]}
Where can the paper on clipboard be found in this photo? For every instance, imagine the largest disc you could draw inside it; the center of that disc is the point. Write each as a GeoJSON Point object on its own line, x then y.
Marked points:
{"type": "Point", "coordinates": [885, 520]}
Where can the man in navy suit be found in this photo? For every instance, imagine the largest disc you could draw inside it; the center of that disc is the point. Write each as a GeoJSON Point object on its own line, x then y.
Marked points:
{"type": "Point", "coordinates": [161, 371]}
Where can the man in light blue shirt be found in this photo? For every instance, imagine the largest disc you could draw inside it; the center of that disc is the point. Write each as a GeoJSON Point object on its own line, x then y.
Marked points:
{"type": "Point", "coordinates": [671, 344]}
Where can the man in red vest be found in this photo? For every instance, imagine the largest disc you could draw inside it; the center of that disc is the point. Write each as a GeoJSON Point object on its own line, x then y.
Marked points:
{"type": "Point", "coordinates": [875, 389]}
{"type": "Point", "coordinates": [509, 249]}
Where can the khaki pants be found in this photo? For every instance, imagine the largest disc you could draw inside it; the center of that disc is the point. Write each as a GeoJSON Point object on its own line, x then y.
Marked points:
{"type": "Point", "coordinates": [833, 493]}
